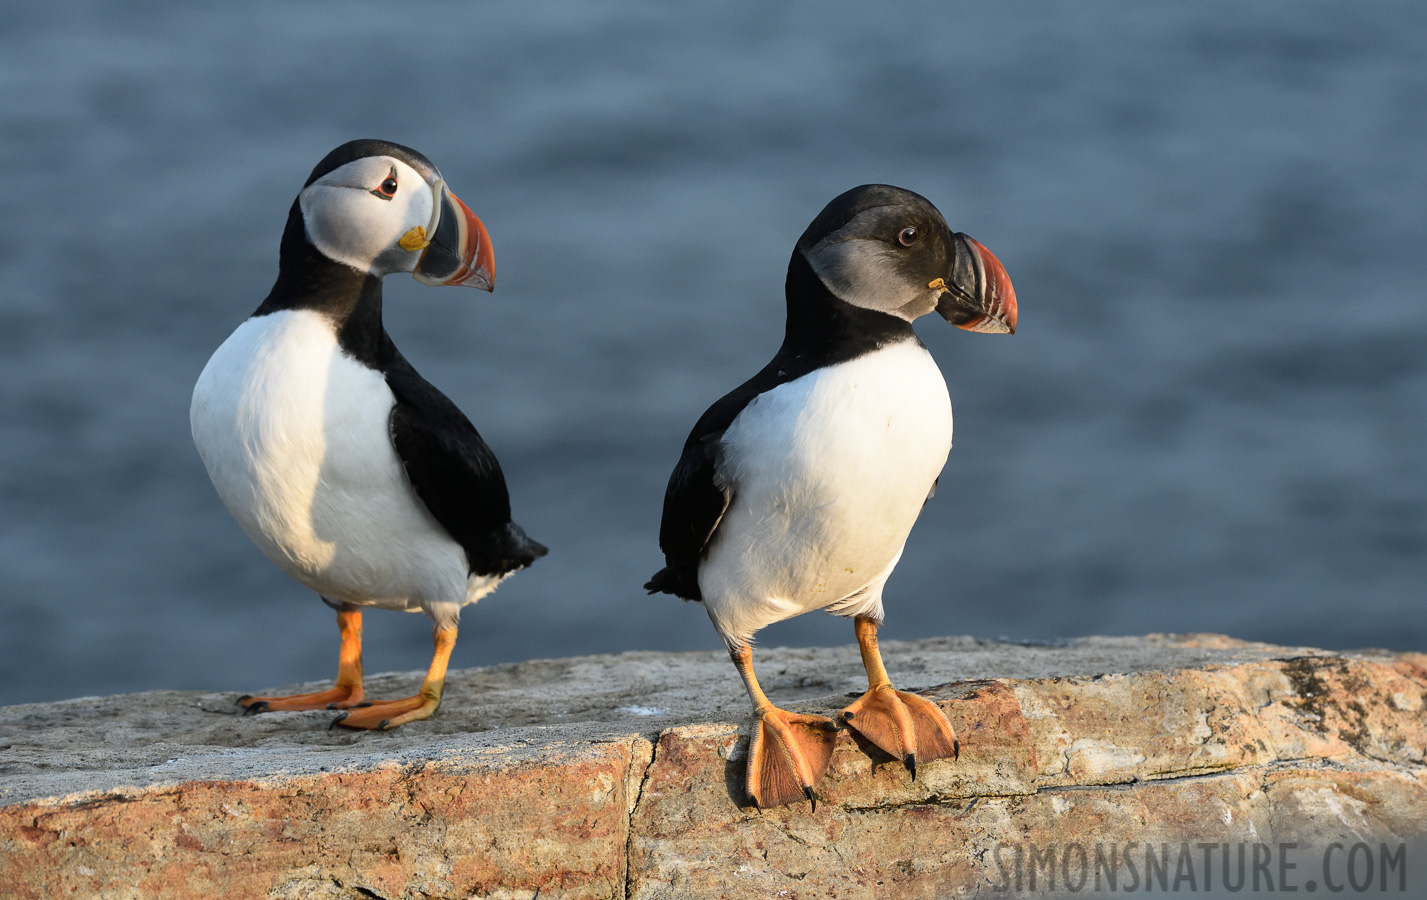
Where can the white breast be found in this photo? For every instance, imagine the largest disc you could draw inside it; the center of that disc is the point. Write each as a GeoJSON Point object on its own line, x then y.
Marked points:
{"type": "Point", "coordinates": [294, 434]}
{"type": "Point", "coordinates": [828, 474]}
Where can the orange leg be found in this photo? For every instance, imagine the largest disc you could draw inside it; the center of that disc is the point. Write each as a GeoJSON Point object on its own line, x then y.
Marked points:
{"type": "Point", "coordinates": [787, 752]}
{"type": "Point", "coordinates": [905, 725]}
{"type": "Point", "coordinates": [384, 714]}
{"type": "Point", "coordinates": [348, 690]}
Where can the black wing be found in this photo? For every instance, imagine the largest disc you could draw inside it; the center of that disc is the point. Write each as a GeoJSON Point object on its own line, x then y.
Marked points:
{"type": "Point", "coordinates": [694, 503]}
{"type": "Point", "coordinates": [456, 475]}
{"type": "Point", "coordinates": [695, 500]}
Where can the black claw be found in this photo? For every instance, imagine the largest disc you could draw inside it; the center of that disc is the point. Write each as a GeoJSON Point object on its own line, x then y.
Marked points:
{"type": "Point", "coordinates": [384, 724]}
{"type": "Point", "coordinates": [847, 715]}
{"type": "Point", "coordinates": [260, 706]}
{"type": "Point", "coordinates": [812, 798]}
{"type": "Point", "coordinates": [244, 697]}
{"type": "Point", "coordinates": [363, 705]}
{"type": "Point", "coordinates": [332, 706]}
{"type": "Point", "coordinates": [910, 761]}
{"type": "Point", "coordinates": [338, 721]}
{"type": "Point", "coordinates": [956, 749]}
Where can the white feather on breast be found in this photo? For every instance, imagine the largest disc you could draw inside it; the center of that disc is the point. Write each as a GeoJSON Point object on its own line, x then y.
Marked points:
{"type": "Point", "coordinates": [295, 436]}
{"type": "Point", "coordinates": [828, 473]}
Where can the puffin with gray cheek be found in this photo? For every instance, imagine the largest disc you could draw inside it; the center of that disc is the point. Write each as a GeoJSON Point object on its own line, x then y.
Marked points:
{"type": "Point", "coordinates": [350, 471]}
{"type": "Point", "coordinates": [796, 491]}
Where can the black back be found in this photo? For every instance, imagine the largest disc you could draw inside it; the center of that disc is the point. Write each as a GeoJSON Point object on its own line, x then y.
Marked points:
{"type": "Point", "coordinates": [455, 474]}
{"type": "Point", "coordinates": [822, 330]}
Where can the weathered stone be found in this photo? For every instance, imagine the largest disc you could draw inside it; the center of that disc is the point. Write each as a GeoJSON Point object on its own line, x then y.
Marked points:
{"type": "Point", "coordinates": [1117, 728]}
{"type": "Point", "coordinates": [455, 826]}
{"type": "Point", "coordinates": [1336, 707]}
{"type": "Point", "coordinates": [622, 777]}
{"type": "Point", "coordinates": [694, 836]}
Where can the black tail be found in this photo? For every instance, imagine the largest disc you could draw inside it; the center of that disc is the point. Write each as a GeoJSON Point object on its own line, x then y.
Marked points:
{"type": "Point", "coordinates": [681, 581]}
{"type": "Point", "coordinates": [507, 550]}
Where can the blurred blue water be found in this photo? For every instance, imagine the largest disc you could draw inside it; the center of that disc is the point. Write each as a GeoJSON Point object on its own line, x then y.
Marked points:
{"type": "Point", "coordinates": [1213, 417]}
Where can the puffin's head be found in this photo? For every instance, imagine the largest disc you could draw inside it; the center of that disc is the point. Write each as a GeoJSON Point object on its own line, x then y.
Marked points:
{"type": "Point", "coordinates": [886, 248]}
{"type": "Point", "coordinates": [382, 208]}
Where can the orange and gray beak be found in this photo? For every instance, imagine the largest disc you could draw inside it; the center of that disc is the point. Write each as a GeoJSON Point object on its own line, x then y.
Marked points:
{"type": "Point", "coordinates": [459, 252]}
{"type": "Point", "coordinates": [978, 296]}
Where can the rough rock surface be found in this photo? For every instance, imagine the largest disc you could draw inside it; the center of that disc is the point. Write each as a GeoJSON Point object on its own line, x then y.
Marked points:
{"type": "Point", "coordinates": [621, 776]}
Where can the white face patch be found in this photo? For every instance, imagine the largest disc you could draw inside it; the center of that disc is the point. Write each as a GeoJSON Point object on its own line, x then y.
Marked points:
{"type": "Point", "coordinates": [352, 225]}
{"type": "Point", "coordinates": [865, 272]}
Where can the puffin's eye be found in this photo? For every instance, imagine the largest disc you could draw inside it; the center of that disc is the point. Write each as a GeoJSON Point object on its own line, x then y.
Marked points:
{"type": "Point", "coordinates": [908, 237]}
{"type": "Point", "coordinates": [387, 189]}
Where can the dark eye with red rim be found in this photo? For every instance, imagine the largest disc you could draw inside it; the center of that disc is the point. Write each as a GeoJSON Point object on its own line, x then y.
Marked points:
{"type": "Point", "coordinates": [907, 237]}
{"type": "Point", "coordinates": [387, 189]}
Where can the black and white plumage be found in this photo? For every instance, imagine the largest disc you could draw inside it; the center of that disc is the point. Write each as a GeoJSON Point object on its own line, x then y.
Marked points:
{"type": "Point", "coordinates": [822, 461]}
{"type": "Point", "coordinates": [797, 490]}
{"type": "Point", "coordinates": [351, 472]}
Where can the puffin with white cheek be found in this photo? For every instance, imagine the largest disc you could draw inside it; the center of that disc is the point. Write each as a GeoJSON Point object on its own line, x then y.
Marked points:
{"type": "Point", "coordinates": [797, 491]}
{"type": "Point", "coordinates": [350, 471]}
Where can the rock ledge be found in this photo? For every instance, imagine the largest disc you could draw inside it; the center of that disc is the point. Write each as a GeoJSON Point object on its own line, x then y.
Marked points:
{"type": "Point", "coordinates": [620, 776]}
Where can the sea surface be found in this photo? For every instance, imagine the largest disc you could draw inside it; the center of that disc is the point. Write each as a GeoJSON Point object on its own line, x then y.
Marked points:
{"type": "Point", "coordinates": [1213, 417]}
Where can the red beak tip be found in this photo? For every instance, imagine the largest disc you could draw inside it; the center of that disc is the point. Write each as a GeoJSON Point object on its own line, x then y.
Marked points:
{"type": "Point", "coordinates": [1000, 293]}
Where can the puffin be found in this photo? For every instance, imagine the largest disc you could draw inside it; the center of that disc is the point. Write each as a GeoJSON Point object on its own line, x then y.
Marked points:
{"type": "Point", "coordinates": [796, 491]}
{"type": "Point", "coordinates": [351, 472]}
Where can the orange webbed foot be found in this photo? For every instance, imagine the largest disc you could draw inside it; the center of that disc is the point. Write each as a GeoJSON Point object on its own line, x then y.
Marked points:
{"type": "Point", "coordinates": [384, 715]}
{"type": "Point", "coordinates": [906, 726]}
{"type": "Point", "coordinates": [787, 754]}
{"type": "Point", "coordinates": [339, 697]}
{"type": "Point", "coordinates": [346, 693]}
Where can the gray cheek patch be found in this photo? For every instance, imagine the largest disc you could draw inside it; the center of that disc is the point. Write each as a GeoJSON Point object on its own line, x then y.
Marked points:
{"type": "Point", "coordinates": [862, 272]}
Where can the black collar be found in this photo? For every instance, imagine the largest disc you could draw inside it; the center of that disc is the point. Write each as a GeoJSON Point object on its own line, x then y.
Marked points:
{"type": "Point", "coordinates": [823, 329]}
{"type": "Point", "coordinates": [351, 299]}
